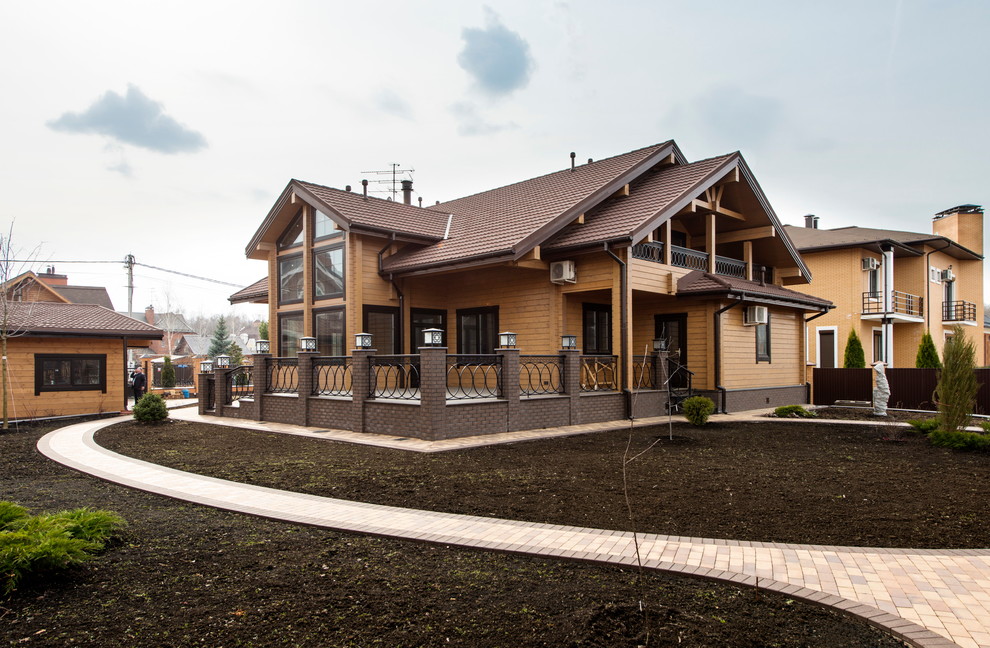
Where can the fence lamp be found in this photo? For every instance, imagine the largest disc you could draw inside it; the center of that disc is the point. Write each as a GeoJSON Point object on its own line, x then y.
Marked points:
{"type": "Point", "coordinates": [206, 366]}
{"type": "Point", "coordinates": [362, 340]}
{"type": "Point", "coordinates": [223, 361]}
{"type": "Point", "coordinates": [262, 346]}
{"type": "Point", "coordinates": [307, 344]}
{"type": "Point", "coordinates": [568, 341]}
{"type": "Point", "coordinates": [507, 339]}
{"type": "Point", "coordinates": [432, 337]}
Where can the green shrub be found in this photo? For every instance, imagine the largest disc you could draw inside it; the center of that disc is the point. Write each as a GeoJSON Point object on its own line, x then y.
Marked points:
{"type": "Point", "coordinates": [854, 357]}
{"type": "Point", "coordinates": [35, 545]}
{"type": "Point", "coordinates": [970, 441]}
{"type": "Point", "coordinates": [986, 426]}
{"type": "Point", "coordinates": [955, 393]}
{"type": "Point", "coordinates": [927, 357]}
{"type": "Point", "coordinates": [793, 411]}
{"type": "Point", "coordinates": [697, 409]}
{"type": "Point", "coordinates": [925, 425]}
{"type": "Point", "coordinates": [10, 514]}
{"type": "Point", "coordinates": [168, 373]}
{"type": "Point", "coordinates": [150, 408]}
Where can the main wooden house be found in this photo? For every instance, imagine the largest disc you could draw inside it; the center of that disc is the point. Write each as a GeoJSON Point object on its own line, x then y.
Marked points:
{"type": "Point", "coordinates": [639, 256]}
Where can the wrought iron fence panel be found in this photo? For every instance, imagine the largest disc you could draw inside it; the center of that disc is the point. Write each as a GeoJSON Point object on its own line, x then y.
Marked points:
{"type": "Point", "coordinates": [239, 384]}
{"type": "Point", "coordinates": [395, 376]}
{"type": "Point", "coordinates": [643, 372]}
{"type": "Point", "coordinates": [648, 252]}
{"type": "Point", "coordinates": [541, 374]}
{"type": "Point", "coordinates": [282, 375]}
{"type": "Point", "coordinates": [687, 258]}
{"type": "Point", "coordinates": [474, 376]}
{"type": "Point", "coordinates": [599, 373]}
{"type": "Point", "coordinates": [332, 376]}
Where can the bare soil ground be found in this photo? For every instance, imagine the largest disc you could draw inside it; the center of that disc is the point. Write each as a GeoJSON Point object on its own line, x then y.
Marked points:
{"type": "Point", "coordinates": [187, 575]}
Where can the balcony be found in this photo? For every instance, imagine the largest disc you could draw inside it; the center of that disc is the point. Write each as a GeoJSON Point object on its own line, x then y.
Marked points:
{"type": "Point", "coordinates": [903, 307]}
{"type": "Point", "coordinates": [682, 257]}
{"type": "Point", "coordinates": [958, 311]}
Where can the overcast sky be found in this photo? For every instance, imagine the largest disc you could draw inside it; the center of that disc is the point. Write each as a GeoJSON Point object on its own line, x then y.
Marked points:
{"type": "Point", "coordinates": [167, 130]}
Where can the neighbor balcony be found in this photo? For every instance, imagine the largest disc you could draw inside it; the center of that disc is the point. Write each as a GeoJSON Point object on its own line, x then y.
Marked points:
{"type": "Point", "coordinates": [958, 311]}
{"type": "Point", "coordinates": [904, 307]}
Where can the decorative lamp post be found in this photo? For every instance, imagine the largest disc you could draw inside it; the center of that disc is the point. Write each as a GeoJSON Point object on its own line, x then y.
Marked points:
{"type": "Point", "coordinates": [223, 361]}
{"type": "Point", "coordinates": [307, 344]}
{"type": "Point", "coordinates": [206, 366]}
{"type": "Point", "coordinates": [568, 341]}
{"type": "Point", "coordinates": [432, 337]}
{"type": "Point", "coordinates": [262, 346]}
{"type": "Point", "coordinates": [507, 340]}
{"type": "Point", "coordinates": [362, 340]}
{"type": "Point", "coordinates": [659, 344]}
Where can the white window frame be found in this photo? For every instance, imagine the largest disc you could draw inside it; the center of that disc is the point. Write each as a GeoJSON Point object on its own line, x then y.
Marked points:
{"type": "Point", "coordinates": [818, 344]}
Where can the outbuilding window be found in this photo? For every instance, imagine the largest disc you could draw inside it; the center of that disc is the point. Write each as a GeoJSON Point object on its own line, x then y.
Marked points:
{"type": "Point", "coordinates": [763, 341]}
{"type": "Point", "coordinates": [78, 372]}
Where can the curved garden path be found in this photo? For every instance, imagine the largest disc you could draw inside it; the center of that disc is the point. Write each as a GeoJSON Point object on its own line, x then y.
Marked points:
{"type": "Point", "coordinates": [927, 597]}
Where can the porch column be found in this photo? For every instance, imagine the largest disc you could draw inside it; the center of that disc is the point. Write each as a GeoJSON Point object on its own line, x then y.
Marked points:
{"type": "Point", "coordinates": [360, 385]}
{"type": "Point", "coordinates": [710, 241]}
{"type": "Point", "coordinates": [304, 385]}
{"type": "Point", "coordinates": [667, 229]}
{"type": "Point", "coordinates": [888, 305]}
{"type": "Point", "coordinates": [259, 378]}
{"type": "Point", "coordinates": [433, 391]}
{"type": "Point", "coordinates": [510, 387]}
{"type": "Point", "coordinates": [748, 258]}
{"type": "Point", "coordinates": [571, 375]}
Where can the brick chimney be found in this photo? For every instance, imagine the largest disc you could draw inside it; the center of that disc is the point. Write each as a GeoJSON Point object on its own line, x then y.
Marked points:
{"type": "Point", "coordinates": [811, 221]}
{"type": "Point", "coordinates": [962, 224]}
{"type": "Point", "coordinates": [149, 315]}
{"type": "Point", "coordinates": [49, 277]}
{"type": "Point", "coordinates": [407, 192]}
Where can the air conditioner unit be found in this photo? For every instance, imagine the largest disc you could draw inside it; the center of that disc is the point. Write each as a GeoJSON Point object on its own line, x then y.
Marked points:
{"type": "Point", "coordinates": [869, 263]}
{"type": "Point", "coordinates": [756, 315]}
{"type": "Point", "coordinates": [562, 272]}
{"type": "Point", "coordinates": [948, 276]}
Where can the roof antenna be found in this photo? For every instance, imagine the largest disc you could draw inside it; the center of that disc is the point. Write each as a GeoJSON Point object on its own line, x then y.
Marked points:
{"type": "Point", "coordinates": [573, 155]}
{"type": "Point", "coordinates": [364, 183]}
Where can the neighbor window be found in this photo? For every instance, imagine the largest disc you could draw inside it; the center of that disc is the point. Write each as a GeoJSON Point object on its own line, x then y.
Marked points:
{"type": "Point", "coordinates": [329, 328]}
{"type": "Point", "coordinates": [290, 279]}
{"type": "Point", "coordinates": [290, 329]}
{"type": "Point", "coordinates": [70, 372]}
{"type": "Point", "coordinates": [328, 272]}
{"type": "Point", "coordinates": [763, 341]}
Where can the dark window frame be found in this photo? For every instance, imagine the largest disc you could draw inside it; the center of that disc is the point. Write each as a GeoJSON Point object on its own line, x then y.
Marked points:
{"type": "Point", "coordinates": [479, 311]}
{"type": "Point", "coordinates": [281, 329]}
{"type": "Point", "coordinates": [316, 329]}
{"type": "Point", "coordinates": [39, 364]}
{"type": "Point", "coordinates": [762, 356]}
{"type": "Point", "coordinates": [600, 309]}
{"type": "Point", "coordinates": [396, 330]}
{"type": "Point", "coordinates": [343, 269]}
{"type": "Point", "coordinates": [336, 233]}
{"type": "Point", "coordinates": [302, 267]}
{"type": "Point", "coordinates": [297, 220]}
{"type": "Point", "coordinates": [414, 343]}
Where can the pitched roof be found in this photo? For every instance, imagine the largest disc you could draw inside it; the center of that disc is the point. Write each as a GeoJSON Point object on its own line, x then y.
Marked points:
{"type": "Point", "coordinates": [255, 293]}
{"type": "Point", "coordinates": [52, 318]}
{"type": "Point", "coordinates": [198, 344]}
{"type": "Point", "coordinates": [509, 221]}
{"type": "Point", "coordinates": [702, 283]}
{"type": "Point", "coordinates": [85, 295]}
{"type": "Point", "coordinates": [811, 239]}
{"type": "Point", "coordinates": [174, 322]}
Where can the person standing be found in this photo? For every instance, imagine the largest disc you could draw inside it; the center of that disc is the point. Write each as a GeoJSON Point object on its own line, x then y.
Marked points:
{"type": "Point", "coordinates": [138, 383]}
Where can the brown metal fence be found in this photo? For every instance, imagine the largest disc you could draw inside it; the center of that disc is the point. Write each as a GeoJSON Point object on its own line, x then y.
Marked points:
{"type": "Point", "coordinates": [830, 385]}
{"type": "Point", "coordinates": [909, 388]}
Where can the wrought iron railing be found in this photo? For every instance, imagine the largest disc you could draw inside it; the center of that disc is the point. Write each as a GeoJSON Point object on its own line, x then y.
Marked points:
{"type": "Point", "coordinates": [730, 267]}
{"type": "Point", "coordinates": [239, 384]}
{"type": "Point", "coordinates": [394, 376]}
{"type": "Point", "coordinates": [332, 376]}
{"type": "Point", "coordinates": [599, 373]}
{"type": "Point", "coordinates": [900, 302]}
{"type": "Point", "coordinates": [282, 375]}
{"type": "Point", "coordinates": [643, 369]}
{"type": "Point", "coordinates": [474, 376]}
{"type": "Point", "coordinates": [541, 374]}
{"type": "Point", "coordinates": [958, 311]}
{"type": "Point", "coordinates": [687, 258]}
{"type": "Point", "coordinates": [649, 252]}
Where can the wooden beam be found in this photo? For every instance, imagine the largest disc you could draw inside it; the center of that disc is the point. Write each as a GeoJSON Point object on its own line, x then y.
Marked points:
{"type": "Point", "coordinates": [532, 255]}
{"type": "Point", "coordinates": [292, 198]}
{"type": "Point", "coordinates": [533, 264]}
{"type": "Point", "coordinates": [578, 221]}
{"type": "Point", "coordinates": [624, 191]}
{"type": "Point", "coordinates": [788, 272]}
{"type": "Point", "coordinates": [747, 234]}
{"type": "Point", "coordinates": [731, 176]}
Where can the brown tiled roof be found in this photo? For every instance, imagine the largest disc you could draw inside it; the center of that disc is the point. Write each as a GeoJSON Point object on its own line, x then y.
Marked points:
{"type": "Point", "coordinates": [255, 293]}
{"type": "Point", "coordinates": [651, 194]}
{"type": "Point", "coordinates": [85, 295]}
{"type": "Point", "coordinates": [50, 318]}
{"type": "Point", "coordinates": [702, 283]}
{"type": "Point", "coordinates": [810, 239]}
{"type": "Point", "coordinates": [512, 219]}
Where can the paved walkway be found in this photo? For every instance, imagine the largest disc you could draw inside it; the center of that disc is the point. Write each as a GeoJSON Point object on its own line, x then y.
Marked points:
{"type": "Point", "coordinates": [929, 598]}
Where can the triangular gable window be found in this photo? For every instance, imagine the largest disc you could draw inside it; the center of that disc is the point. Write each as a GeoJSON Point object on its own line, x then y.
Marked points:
{"type": "Point", "coordinates": [324, 226]}
{"type": "Point", "coordinates": [293, 236]}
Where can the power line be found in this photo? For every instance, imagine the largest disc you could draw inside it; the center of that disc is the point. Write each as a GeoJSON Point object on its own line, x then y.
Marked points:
{"type": "Point", "coordinates": [175, 272]}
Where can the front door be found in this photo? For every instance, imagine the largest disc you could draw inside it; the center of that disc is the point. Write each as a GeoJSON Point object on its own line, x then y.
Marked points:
{"type": "Point", "coordinates": [671, 330]}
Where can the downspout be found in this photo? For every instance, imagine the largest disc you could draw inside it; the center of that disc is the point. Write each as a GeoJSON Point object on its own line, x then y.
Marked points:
{"type": "Point", "coordinates": [928, 284]}
{"type": "Point", "coordinates": [124, 409]}
{"type": "Point", "coordinates": [391, 279]}
{"type": "Point", "coordinates": [717, 339]}
{"type": "Point", "coordinates": [623, 327]}
{"type": "Point", "coordinates": [888, 303]}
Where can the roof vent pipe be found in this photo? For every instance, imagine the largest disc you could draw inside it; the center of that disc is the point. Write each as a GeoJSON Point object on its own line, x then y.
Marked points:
{"type": "Point", "coordinates": [420, 201]}
{"type": "Point", "coordinates": [811, 221]}
{"type": "Point", "coordinates": [407, 192]}
{"type": "Point", "coordinates": [364, 183]}
{"type": "Point", "coordinates": [347, 188]}
{"type": "Point", "coordinates": [590, 160]}
{"type": "Point", "coordinates": [573, 155]}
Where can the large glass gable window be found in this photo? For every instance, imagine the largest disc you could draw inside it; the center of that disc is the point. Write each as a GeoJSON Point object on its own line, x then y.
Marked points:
{"type": "Point", "coordinates": [477, 330]}
{"type": "Point", "coordinates": [329, 327]}
{"type": "Point", "coordinates": [324, 227]}
{"type": "Point", "coordinates": [292, 236]}
{"type": "Point", "coordinates": [290, 279]}
{"type": "Point", "coordinates": [81, 372]}
{"type": "Point", "coordinates": [328, 272]}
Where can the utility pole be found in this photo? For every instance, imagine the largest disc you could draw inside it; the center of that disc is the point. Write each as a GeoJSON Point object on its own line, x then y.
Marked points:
{"type": "Point", "coordinates": [129, 264]}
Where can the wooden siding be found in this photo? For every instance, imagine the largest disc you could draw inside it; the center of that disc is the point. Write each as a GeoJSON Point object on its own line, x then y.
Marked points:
{"type": "Point", "coordinates": [21, 364]}
{"type": "Point", "coordinates": [739, 365]}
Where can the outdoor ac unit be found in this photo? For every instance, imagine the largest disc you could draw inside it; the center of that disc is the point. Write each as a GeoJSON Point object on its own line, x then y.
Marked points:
{"type": "Point", "coordinates": [948, 276]}
{"type": "Point", "coordinates": [562, 272]}
{"type": "Point", "coordinates": [869, 263]}
{"type": "Point", "coordinates": [756, 315]}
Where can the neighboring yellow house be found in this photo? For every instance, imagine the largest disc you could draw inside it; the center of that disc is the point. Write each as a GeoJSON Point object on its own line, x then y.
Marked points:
{"type": "Point", "coordinates": [891, 286]}
{"type": "Point", "coordinates": [625, 253]}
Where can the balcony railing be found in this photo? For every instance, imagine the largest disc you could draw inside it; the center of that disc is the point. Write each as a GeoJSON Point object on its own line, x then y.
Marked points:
{"type": "Point", "coordinates": [688, 258]}
{"type": "Point", "coordinates": [958, 311]}
{"type": "Point", "coordinates": [901, 303]}
{"type": "Point", "coordinates": [648, 252]}
{"type": "Point", "coordinates": [692, 259]}
{"type": "Point", "coordinates": [730, 267]}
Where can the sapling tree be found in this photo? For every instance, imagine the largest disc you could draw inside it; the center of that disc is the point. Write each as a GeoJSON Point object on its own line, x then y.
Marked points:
{"type": "Point", "coordinates": [168, 373]}
{"type": "Point", "coordinates": [927, 357]}
{"type": "Point", "coordinates": [956, 390]}
{"type": "Point", "coordinates": [854, 358]}
{"type": "Point", "coordinates": [10, 326]}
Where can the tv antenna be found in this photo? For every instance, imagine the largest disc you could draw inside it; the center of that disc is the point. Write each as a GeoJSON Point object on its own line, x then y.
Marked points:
{"type": "Point", "coordinates": [393, 176]}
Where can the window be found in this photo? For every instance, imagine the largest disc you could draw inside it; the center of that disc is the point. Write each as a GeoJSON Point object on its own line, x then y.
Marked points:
{"type": "Point", "coordinates": [290, 329]}
{"type": "Point", "coordinates": [827, 350]}
{"type": "Point", "coordinates": [949, 292]}
{"type": "Point", "coordinates": [329, 327]}
{"type": "Point", "coordinates": [82, 372]}
{"type": "Point", "coordinates": [763, 341]}
{"type": "Point", "coordinates": [873, 282]}
{"type": "Point", "coordinates": [477, 330]}
{"type": "Point", "coordinates": [328, 272]}
{"type": "Point", "coordinates": [597, 329]}
{"type": "Point", "coordinates": [290, 279]}
{"type": "Point", "coordinates": [292, 236]}
{"type": "Point", "coordinates": [383, 324]}
{"type": "Point", "coordinates": [426, 318]}
{"type": "Point", "coordinates": [324, 227]}
{"type": "Point", "coordinates": [878, 346]}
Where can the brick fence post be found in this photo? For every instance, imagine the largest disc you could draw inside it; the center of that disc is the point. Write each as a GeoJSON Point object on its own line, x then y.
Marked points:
{"type": "Point", "coordinates": [572, 383]}
{"type": "Point", "coordinates": [304, 385]}
{"type": "Point", "coordinates": [360, 385]}
{"type": "Point", "coordinates": [433, 390]}
{"type": "Point", "coordinates": [259, 378]}
{"type": "Point", "coordinates": [203, 389]}
{"type": "Point", "coordinates": [510, 388]}
{"type": "Point", "coordinates": [220, 391]}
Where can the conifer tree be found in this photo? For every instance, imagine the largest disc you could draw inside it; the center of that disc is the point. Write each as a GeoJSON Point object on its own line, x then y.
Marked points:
{"type": "Point", "coordinates": [927, 353]}
{"type": "Point", "coordinates": [168, 374]}
{"type": "Point", "coordinates": [854, 358]}
{"type": "Point", "coordinates": [956, 391]}
{"type": "Point", "coordinates": [220, 343]}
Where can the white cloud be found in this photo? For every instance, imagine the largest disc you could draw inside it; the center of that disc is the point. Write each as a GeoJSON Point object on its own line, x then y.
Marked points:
{"type": "Point", "coordinates": [497, 58]}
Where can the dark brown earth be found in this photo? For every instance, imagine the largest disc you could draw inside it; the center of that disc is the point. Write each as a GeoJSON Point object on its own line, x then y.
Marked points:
{"type": "Point", "coordinates": [186, 575]}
